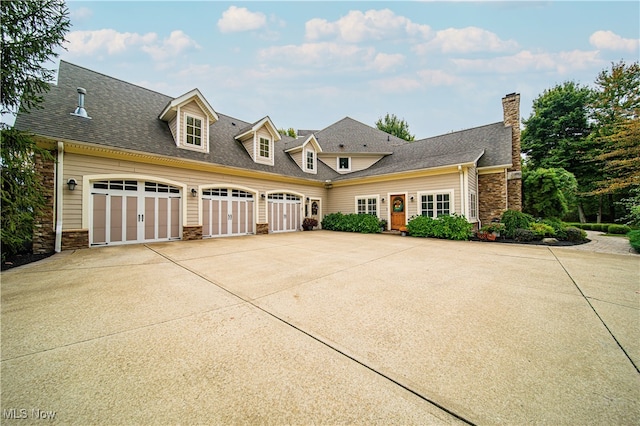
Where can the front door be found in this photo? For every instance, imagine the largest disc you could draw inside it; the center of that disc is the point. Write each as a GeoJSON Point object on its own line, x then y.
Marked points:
{"type": "Point", "coordinates": [398, 216]}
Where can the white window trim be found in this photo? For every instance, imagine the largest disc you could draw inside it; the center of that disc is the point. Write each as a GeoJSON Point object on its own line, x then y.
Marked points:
{"type": "Point", "coordinates": [367, 197]}
{"type": "Point", "coordinates": [452, 203]}
{"type": "Point", "coordinates": [338, 164]}
{"type": "Point", "coordinates": [260, 158]}
{"type": "Point", "coordinates": [314, 170]}
{"type": "Point", "coordinates": [204, 134]}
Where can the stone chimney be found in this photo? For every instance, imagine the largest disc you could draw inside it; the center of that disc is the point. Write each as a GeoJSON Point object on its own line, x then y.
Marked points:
{"type": "Point", "coordinates": [511, 110]}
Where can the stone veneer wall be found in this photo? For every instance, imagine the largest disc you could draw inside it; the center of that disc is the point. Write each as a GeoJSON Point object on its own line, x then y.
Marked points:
{"type": "Point", "coordinates": [191, 233]}
{"type": "Point", "coordinates": [511, 111]}
{"type": "Point", "coordinates": [262, 228]}
{"type": "Point", "coordinates": [492, 196]}
{"type": "Point", "coordinates": [73, 239]}
{"type": "Point", "coordinates": [44, 235]}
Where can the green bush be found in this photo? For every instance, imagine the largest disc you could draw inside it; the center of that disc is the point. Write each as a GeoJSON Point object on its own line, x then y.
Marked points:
{"type": "Point", "coordinates": [513, 220]}
{"type": "Point", "coordinates": [634, 239]}
{"type": "Point", "coordinates": [542, 230]}
{"type": "Point", "coordinates": [363, 223]}
{"type": "Point", "coordinates": [559, 228]}
{"type": "Point", "coordinates": [524, 235]}
{"type": "Point", "coordinates": [575, 235]}
{"type": "Point", "coordinates": [452, 227]}
{"type": "Point", "coordinates": [618, 229]}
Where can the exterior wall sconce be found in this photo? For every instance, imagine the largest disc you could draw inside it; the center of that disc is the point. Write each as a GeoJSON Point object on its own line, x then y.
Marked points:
{"type": "Point", "coordinates": [72, 184]}
{"type": "Point", "coordinates": [194, 192]}
{"type": "Point", "coordinates": [307, 199]}
{"type": "Point", "coordinates": [263, 196]}
{"type": "Point", "coordinates": [411, 198]}
{"type": "Point", "coordinates": [382, 199]}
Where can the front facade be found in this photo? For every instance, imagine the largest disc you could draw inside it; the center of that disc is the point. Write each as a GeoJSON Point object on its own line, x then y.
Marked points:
{"type": "Point", "coordinates": [133, 166]}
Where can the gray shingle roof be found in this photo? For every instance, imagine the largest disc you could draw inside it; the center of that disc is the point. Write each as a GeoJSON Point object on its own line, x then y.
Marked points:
{"type": "Point", "coordinates": [125, 116]}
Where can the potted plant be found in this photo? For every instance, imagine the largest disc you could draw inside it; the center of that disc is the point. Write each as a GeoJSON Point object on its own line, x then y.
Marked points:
{"type": "Point", "coordinates": [383, 225]}
{"type": "Point", "coordinates": [490, 232]}
{"type": "Point", "coordinates": [309, 223]}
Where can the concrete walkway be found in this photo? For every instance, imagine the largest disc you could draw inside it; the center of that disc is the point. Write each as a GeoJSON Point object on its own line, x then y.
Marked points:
{"type": "Point", "coordinates": [601, 243]}
{"type": "Point", "coordinates": [323, 328]}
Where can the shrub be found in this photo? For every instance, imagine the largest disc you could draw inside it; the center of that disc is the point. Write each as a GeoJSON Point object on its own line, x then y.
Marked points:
{"type": "Point", "coordinates": [634, 239]}
{"type": "Point", "coordinates": [618, 229]}
{"type": "Point", "coordinates": [559, 228]}
{"type": "Point", "coordinates": [513, 220]}
{"type": "Point", "coordinates": [363, 223]}
{"type": "Point", "coordinates": [523, 235]}
{"type": "Point", "coordinates": [575, 235]}
{"type": "Point", "coordinates": [452, 227]}
{"type": "Point", "coordinates": [541, 230]}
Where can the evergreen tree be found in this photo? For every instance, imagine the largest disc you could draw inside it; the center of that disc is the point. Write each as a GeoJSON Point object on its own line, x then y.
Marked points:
{"type": "Point", "coordinates": [394, 126]}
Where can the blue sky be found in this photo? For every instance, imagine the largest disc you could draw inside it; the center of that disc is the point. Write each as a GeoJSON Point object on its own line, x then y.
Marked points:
{"type": "Point", "coordinates": [442, 66]}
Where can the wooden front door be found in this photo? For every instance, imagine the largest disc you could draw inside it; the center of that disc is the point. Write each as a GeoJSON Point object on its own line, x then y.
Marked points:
{"type": "Point", "coordinates": [398, 215]}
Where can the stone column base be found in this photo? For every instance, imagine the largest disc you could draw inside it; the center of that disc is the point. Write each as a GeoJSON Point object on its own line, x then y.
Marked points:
{"type": "Point", "coordinates": [73, 239]}
{"type": "Point", "coordinates": [262, 228]}
{"type": "Point", "coordinates": [191, 233]}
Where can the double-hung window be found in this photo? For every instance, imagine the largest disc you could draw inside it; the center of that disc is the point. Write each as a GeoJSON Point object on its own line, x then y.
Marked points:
{"type": "Point", "coordinates": [310, 160]}
{"type": "Point", "coordinates": [473, 205]}
{"type": "Point", "coordinates": [367, 205]}
{"type": "Point", "coordinates": [265, 148]}
{"type": "Point", "coordinates": [436, 204]}
{"type": "Point", "coordinates": [193, 131]}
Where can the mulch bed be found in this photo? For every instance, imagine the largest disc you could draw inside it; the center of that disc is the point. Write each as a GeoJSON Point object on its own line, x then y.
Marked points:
{"type": "Point", "coordinates": [22, 259]}
{"type": "Point", "coordinates": [547, 242]}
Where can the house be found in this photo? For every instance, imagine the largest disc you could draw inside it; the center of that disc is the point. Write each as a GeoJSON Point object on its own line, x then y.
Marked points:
{"type": "Point", "coordinates": [133, 165]}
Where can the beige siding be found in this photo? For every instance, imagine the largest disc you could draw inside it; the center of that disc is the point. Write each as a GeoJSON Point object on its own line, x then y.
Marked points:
{"type": "Point", "coordinates": [297, 157]}
{"type": "Point", "coordinates": [342, 199]}
{"type": "Point", "coordinates": [77, 166]}
{"type": "Point", "coordinates": [248, 145]}
{"type": "Point", "coordinates": [173, 126]}
{"type": "Point", "coordinates": [357, 163]}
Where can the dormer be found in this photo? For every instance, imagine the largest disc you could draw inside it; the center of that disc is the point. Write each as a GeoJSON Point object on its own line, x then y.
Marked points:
{"type": "Point", "coordinates": [304, 151]}
{"type": "Point", "coordinates": [189, 117]}
{"type": "Point", "coordinates": [258, 139]}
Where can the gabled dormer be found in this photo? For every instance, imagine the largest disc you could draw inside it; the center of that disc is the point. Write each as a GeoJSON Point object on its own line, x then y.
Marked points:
{"type": "Point", "coordinates": [189, 117]}
{"type": "Point", "coordinates": [258, 139]}
{"type": "Point", "coordinates": [304, 151]}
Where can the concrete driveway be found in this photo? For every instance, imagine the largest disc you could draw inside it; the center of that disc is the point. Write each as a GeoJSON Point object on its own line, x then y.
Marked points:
{"type": "Point", "coordinates": [323, 328]}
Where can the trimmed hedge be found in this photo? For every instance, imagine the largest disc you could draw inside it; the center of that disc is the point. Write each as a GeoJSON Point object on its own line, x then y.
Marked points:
{"type": "Point", "coordinates": [363, 223]}
{"type": "Point", "coordinates": [452, 227]}
{"type": "Point", "coordinates": [618, 229]}
{"type": "Point", "coordinates": [634, 239]}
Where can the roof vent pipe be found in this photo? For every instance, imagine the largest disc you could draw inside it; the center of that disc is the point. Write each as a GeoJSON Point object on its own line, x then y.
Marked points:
{"type": "Point", "coordinates": [80, 111]}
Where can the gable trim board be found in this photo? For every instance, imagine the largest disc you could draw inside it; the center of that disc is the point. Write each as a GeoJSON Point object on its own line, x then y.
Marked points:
{"type": "Point", "coordinates": [136, 134]}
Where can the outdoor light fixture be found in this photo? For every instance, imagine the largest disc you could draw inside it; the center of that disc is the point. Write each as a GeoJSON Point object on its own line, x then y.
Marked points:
{"type": "Point", "coordinates": [383, 199]}
{"type": "Point", "coordinates": [194, 192]}
{"type": "Point", "coordinates": [72, 184]}
{"type": "Point", "coordinates": [262, 196]}
{"type": "Point", "coordinates": [307, 199]}
{"type": "Point", "coordinates": [411, 198]}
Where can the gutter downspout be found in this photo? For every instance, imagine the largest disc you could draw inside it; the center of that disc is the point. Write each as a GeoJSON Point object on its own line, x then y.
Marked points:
{"type": "Point", "coordinates": [59, 194]}
{"type": "Point", "coordinates": [462, 195]}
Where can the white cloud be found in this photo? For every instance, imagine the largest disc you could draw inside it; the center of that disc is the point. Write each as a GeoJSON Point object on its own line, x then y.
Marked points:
{"type": "Point", "coordinates": [318, 54]}
{"type": "Point", "coordinates": [177, 43]}
{"type": "Point", "coordinates": [608, 40]}
{"type": "Point", "coordinates": [437, 78]}
{"type": "Point", "coordinates": [112, 42]}
{"type": "Point", "coordinates": [387, 62]}
{"type": "Point", "coordinates": [465, 40]}
{"type": "Point", "coordinates": [237, 19]}
{"type": "Point", "coordinates": [526, 61]}
{"type": "Point", "coordinates": [359, 26]}
{"type": "Point", "coordinates": [397, 84]}
{"type": "Point", "coordinates": [81, 14]}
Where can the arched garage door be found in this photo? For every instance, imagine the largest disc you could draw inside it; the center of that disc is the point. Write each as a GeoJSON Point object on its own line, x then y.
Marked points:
{"type": "Point", "coordinates": [227, 212]}
{"type": "Point", "coordinates": [130, 211]}
{"type": "Point", "coordinates": [285, 212]}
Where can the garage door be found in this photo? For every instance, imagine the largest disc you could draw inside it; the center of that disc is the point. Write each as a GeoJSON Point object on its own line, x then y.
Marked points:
{"type": "Point", "coordinates": [285, 212]}
{"type": "Point", "coordinates": [129, 211]}
{"type": "Point", "coordinates": [227, 212]}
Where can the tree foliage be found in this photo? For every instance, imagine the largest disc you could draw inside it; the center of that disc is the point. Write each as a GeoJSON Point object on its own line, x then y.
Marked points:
{"type": "Point", "coordinates": [288, 132]}
{"type": "Point", "coordinates": [543, 194]}
{"type": "Point", "coordinates": [616, 110]}
{"type": "Point", "coordinates": [391, 124]}
{"type": "Point", "coordinates": [31, 30]}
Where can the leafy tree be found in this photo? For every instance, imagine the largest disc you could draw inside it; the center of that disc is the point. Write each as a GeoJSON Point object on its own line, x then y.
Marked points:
{"type": "Point", "coordinates": [289, 132]}
{"type": "Point", "coordinates": [543, 194]}
{"type": "Point", "coordinates": [394, 126]}
{"type": "Point", "coordinates": [616, 109]}
{"type": "Point", "coordinates": [31, 30]}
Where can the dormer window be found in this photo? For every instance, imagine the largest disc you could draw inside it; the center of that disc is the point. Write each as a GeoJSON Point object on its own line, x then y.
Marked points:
{"type": "Point", "coordinates": [265, 148]}
{"type": "Point", "coordinates": [344, 164]}
{"type": "Point", "coordinates": [311, 160]}
{"type": "Point", "coordinates": [193, 131]}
